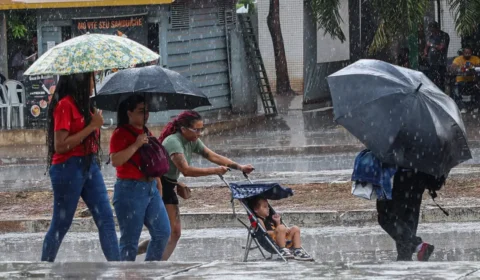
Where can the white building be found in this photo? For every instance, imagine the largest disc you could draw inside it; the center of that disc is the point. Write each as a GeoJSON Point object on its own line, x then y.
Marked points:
{"type": "Point", "coordinates": [294, 21]}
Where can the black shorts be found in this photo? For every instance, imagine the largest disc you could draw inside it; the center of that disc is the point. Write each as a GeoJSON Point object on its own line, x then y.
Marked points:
{"type": "Point", "coordinates": [169, 194]}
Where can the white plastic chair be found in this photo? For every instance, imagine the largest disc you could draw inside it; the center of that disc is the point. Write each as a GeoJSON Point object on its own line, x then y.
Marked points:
{"type": "Point", "coordinates": [4, 105]}
{"type": "Point", "coordinates": [13, 89]}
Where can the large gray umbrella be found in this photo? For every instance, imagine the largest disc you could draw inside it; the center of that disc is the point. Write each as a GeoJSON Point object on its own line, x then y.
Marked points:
{"type": "Point", "coordinates": [164, 89]}
{"type": "Point", "coordinates": [400, 115]}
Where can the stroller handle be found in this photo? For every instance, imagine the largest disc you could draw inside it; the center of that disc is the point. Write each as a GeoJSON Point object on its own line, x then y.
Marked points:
{"type": "Point", "coordinates": [225, 181]}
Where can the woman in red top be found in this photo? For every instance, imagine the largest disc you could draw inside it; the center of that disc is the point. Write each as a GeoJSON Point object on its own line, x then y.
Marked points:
{"type": "Point", "coordinates": [136, 199]}
{"type": "Point", "coordinates": [73, 141]}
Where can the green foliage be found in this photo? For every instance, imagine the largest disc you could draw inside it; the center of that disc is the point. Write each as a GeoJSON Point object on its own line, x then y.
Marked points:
{"type": "Point", "coordinates": [398, 18]}
{"type": "Point", "coordinates": [327, 16]}
{"type": "Point", "coordinates": [20, 24]}
{"type": "Point", "coordinates": [466, 14]}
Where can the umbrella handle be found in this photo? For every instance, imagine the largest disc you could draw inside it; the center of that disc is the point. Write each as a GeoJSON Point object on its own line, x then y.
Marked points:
{"type": "Point", "coordinates": [108, 126]}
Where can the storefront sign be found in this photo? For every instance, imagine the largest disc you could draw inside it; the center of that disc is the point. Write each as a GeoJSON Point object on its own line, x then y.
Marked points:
{"type": "Point", "coordinates": [132, 27]}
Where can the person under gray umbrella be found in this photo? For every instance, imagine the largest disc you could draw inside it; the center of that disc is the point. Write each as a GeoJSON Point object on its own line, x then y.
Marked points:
{"type": "Point", "coordinates": [400, 115]}
{"type": "Point", "coordinates": [408, 122]}
{"type": "Point", "coordinates": [162, 88]}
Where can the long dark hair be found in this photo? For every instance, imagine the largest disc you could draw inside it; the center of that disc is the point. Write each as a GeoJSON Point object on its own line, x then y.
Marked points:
{"type": "Point", "coordinates": [128, 104]}
{"type": "Point", "coordinates": [185, 119]}
{"type": "Point", "coordinates": [78, 87]}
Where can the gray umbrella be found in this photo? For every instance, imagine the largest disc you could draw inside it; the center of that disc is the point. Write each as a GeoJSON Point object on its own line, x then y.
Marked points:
{"type": "Point", "coordinates": [164, 89]}
{"type": "Point", "coordinates": [400, 115]}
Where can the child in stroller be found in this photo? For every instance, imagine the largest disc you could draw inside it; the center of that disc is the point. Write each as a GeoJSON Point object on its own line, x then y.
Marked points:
{"type": "Point", "coordinates": [287, 239]}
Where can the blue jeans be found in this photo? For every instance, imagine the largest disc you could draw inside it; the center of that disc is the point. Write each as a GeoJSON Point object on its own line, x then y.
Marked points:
{"type": "Point", "coordinates": [136, 204]}
{"type": "Point", "coordinates": [70, 181]}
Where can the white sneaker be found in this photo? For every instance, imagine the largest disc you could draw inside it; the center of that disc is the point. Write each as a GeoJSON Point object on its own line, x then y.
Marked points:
{"type": "Point", "coordinates": [284, 252]}
{"type": "Point", "coordinates": [301, 255]}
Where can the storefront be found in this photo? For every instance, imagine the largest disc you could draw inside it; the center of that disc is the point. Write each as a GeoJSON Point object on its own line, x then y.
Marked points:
{"type": "Point", "coordinates": [190, 36]}
{"type": "Point", "coordinates": [58, 21]}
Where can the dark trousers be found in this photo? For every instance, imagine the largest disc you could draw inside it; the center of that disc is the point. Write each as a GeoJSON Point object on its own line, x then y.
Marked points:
{"type": "Point", "coordinates": [399, 216]}
{"type": "Point", "coordinates": [462, 89]}
{"type": "Point", "coordinates": [436, 74]}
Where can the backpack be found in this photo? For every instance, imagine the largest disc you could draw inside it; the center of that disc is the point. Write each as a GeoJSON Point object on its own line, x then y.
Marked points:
{"type": "Point", "coordinates": [153, 156]}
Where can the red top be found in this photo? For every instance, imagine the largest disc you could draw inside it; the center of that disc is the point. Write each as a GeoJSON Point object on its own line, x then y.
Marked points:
{"type": "Point", "coordinates": [67, 117]}
{"type": "Point", "coordinates": [122, 139]}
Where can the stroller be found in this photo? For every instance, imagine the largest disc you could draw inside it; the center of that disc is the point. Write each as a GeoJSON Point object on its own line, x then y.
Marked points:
{"type": "Point", "coordinates": [245, 192]}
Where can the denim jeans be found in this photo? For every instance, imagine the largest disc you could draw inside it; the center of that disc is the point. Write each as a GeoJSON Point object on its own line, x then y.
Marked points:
{"type": "Point", "coordinates": [136, 204]}
{"type": "Point", "coordinates": [70, 181]}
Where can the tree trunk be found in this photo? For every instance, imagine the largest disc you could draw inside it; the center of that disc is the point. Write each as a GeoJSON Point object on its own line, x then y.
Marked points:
{"type": "Point", "coordinates": [273, 22]}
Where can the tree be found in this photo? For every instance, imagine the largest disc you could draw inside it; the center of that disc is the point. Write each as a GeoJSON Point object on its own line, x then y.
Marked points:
{"type": "Point", "coordinates": [20, 25]}
{"type": "Point", "coordinates": [327, 16]}
{"type": "Point", "coordinates": [273, 22]}
{"type": "Point", "coordinates": [467, 15]}
{"type": "Point", "coordinates": [392, 24]}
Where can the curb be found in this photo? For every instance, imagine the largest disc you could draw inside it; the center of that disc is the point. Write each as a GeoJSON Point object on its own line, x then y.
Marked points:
{"type": "Point", "coordinates": [17, 137]}
{"type": "Point", "coordinates": [227, 220]}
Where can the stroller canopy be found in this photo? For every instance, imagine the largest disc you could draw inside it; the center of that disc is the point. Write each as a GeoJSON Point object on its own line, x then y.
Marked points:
{"type": "Point", "coordinates": [271, 191]}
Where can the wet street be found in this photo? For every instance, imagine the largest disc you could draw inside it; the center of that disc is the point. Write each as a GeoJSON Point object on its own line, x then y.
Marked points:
{"type": "Point", "coordinates": [292, 149]}
{"type": "Point", "coordinates": [339, 252]}
{"type": "Point", "coordinates": [296, 147]}
{"type": "Point", "coordinates": [293, 169]}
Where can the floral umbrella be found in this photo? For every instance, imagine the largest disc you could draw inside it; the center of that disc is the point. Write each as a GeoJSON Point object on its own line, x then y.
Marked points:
{"type": "Point", "coordinates": [89, 53]}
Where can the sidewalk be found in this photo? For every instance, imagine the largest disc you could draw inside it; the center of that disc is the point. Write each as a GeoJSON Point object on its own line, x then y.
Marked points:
{"type": "Point", "coordinates": [270, 270]}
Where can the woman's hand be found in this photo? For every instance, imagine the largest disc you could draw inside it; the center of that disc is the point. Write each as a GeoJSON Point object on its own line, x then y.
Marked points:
{"type": "Point", "coordinates": [221, 170]}
{"type": "Point", "coordinates": [97, 119]}
{"type": "Point", "coordinates": [141, 139]}
{"type": "Point", "coordinates": [247, 168]}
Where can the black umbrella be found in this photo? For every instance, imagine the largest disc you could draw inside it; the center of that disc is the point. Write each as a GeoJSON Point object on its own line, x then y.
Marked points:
{"type": "Point", "coordinates": [400, 115]}
{"type": "Point", "coordinates": [163, 89]}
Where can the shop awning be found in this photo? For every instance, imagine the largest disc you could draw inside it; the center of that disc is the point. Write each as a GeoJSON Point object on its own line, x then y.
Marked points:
{"type": "Point", "coordinates": [44, 4]}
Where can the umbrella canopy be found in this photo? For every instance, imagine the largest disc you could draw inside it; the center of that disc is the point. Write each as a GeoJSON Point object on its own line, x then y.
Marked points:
{"type": "Point", "coordinates": [89, 53]}
{"type": "Point", "coordinates": [400, 115]}
{"type": "Point", "coordinates": [164, 89]}
{"type": "Point", "coordinates": [271, 191]}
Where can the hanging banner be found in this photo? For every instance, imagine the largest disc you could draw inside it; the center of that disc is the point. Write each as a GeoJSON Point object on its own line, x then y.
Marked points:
{"type": "Point", "coordinates": [134, 27]}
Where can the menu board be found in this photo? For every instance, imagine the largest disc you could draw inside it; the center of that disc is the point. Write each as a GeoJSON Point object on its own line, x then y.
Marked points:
{"type": "Point", "coordinates": [38, 93]}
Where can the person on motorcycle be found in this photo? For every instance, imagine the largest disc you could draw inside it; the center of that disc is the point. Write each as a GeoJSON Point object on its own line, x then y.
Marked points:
{"type": "Point", "coordinates": [464, 65]}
